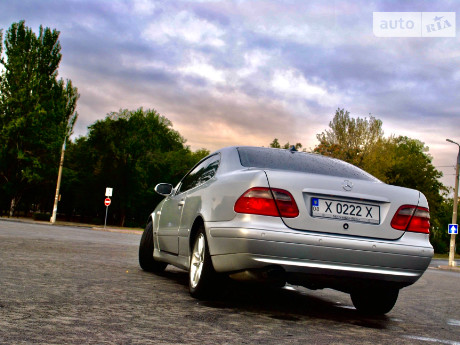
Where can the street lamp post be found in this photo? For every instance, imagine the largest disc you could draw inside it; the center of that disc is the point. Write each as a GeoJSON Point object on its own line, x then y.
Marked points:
{"type": "Point", "coordinates": [58, 184]}
{"type": "Point", "coordinates": [454, 213]}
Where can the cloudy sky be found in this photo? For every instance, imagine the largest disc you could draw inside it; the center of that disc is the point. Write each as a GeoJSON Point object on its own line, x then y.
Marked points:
{"type": "Point", "coordinates": [245, 72]}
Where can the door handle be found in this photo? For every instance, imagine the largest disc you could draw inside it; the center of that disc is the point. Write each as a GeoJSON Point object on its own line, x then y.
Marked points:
{"type": "Point", "coordinates": [181, 203]}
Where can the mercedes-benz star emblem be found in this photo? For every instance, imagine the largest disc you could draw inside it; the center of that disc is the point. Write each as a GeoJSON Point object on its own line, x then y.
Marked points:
{"type": "Point", "coordinates": [347, 185]}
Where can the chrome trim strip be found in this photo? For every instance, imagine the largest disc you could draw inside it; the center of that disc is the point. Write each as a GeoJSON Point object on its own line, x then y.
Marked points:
{"type": "Point", "coordinates": [337, 267]}
{"type": "Point", "coordinates": [344, 194]}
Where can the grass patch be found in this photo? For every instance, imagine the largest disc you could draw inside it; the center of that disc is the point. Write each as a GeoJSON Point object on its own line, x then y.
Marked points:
{"type": "Point", "coordinates": [41, 216]}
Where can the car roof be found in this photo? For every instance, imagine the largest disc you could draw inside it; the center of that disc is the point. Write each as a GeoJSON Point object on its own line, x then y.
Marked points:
{"type": "Point", "coordinates": [282, 159]}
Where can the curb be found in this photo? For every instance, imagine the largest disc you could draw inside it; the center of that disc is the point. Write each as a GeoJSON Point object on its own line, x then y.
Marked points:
{"type": "Point", "coordinates": [127, 231]}
{"type": "Point", "coordinates": [449, 268]}
{"type": "Point", "coordinates": [75, 225]}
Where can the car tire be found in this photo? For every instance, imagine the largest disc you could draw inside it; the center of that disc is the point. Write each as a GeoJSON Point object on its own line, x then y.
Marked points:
{"type": "Point", "coordinates": [375, 301]}
{"type": "Point", "coordinates": [202, 276]}
{"type": "Point", "coordinates": [146, 260]}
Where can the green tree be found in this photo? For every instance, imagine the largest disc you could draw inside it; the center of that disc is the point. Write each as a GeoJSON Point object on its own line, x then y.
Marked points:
{"type": "Point", "coordinates": [130, 151]}
{"type": "Point", "coordinates": [439, 237]}
{"type": "Point", "coordinates": [276, 145]}
{"type": "Point", "coordinates": [37, 111]}
{"type": "Point", "coordinates": [348, 138]}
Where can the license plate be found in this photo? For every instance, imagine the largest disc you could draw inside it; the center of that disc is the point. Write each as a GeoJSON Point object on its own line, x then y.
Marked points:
{"type": "Point", "coordinates": [358, 212]}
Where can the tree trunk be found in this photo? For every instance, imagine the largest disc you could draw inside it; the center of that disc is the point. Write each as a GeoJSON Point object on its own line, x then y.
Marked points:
{"type": "Point", "coordinates": [12, 206]}
{"type": "Point", "coordinates": [14, 203]}
{"type": "Point", "coordinates": [123, 218]}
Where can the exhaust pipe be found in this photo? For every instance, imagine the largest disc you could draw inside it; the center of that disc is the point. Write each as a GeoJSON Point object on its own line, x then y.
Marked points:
{"type": "Point", "coordinates": [272, 275]}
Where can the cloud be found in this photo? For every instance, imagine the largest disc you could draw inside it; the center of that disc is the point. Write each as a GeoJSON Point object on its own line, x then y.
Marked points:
{"type": "Point", "coordinates": [254, 61]}
{"type": "Point", "coordinates": [186, 27]}
{"type": "Point", "coordinates": [291, 83]}
{"type": "Point", "coordinates": [199, 66]}
{"type": "Point", "coordinates": [143, 7]}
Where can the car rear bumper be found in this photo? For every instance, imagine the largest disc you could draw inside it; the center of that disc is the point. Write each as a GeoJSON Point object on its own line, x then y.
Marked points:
{"type": "Point", "coordinates": [401, 261]}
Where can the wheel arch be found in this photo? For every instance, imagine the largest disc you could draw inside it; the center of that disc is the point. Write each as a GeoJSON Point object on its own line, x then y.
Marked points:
{"type": "Point", "coordinates": [150, 218]}
{"type": "Point", "coordinates": [199, 221]}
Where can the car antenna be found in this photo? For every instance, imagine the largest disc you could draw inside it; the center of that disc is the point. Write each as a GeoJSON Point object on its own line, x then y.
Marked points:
{"type": "Point", "coordinates": [292, 149]}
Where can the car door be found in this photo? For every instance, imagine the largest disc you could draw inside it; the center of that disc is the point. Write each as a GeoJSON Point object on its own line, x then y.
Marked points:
{"type": "Point", "coordinates": [171, 212]}
{"type": "Point", "coordinates": [168, 225]}
{"type": "Point", "coordinates": [194, 201]}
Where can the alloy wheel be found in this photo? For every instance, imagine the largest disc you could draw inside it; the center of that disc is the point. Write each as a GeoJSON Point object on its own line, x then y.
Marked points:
{"type": "Point", "coordinates": [197, 261]}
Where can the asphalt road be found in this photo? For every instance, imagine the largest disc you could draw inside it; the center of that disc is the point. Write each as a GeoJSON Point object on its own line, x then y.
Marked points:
{"type": "Point", "coordinates": [65, 285]}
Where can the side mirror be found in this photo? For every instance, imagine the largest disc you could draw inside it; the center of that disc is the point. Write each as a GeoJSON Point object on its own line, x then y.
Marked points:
{"type": "Point", "coordinates": [164, 189]}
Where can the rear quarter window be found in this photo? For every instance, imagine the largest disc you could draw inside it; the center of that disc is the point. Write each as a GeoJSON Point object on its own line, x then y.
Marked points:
{"type": "Point", "coordinates": [279, 159]}
{"type": "Point", "coordinates": [201, 173]}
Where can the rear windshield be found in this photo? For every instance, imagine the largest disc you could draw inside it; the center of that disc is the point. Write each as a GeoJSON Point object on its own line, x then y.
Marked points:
{"type": "Point", "coordinates": [279, 159]}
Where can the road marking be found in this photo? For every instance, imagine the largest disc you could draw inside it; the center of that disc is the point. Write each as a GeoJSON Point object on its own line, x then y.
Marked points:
{"type": "Point", "coordinates": [433, 340]}
{"type": "Point", "coordinates": [453, 322]}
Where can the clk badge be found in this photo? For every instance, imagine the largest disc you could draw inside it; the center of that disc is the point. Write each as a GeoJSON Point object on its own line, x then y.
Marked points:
{"type": "Point", "coordinates": [347, 185]}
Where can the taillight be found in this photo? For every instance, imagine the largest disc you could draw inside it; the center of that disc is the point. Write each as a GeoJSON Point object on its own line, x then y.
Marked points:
{"type": "Point", "coordinates": [267, 202]}
{"type": "Point", "coordinates": [286, 203]}
{"type": "Point", "coordinates": [412, 218]}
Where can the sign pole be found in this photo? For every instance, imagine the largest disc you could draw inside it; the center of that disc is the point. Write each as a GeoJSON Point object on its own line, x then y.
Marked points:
{"type": "Point", "coordinates": [106, 210]}
{"type": "Point", "coordinates": [454, 213]}
{"type": "Point", "coordinates": [107, 201]}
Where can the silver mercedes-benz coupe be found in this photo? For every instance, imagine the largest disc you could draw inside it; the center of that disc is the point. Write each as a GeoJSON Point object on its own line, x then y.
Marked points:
{"type": "Point", "coordinates": [281, 216]}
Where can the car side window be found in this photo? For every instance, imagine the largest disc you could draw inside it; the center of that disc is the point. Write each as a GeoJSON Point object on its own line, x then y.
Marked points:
{"type": "Point", "coordinates": [200, 174]}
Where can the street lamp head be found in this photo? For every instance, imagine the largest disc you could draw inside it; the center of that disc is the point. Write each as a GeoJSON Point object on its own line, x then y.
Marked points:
{"type": "Point", "coordinates": [453, 142]}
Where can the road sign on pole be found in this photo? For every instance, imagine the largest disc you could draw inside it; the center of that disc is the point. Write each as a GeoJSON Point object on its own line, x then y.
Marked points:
{"type": "Point", "coordinates": [108, 191]}
{"type": "Point", "coordinates": [452, 229]}
{"type": "Point", "coordinates": [454, 212]}
{"type": "Point", "coordinates": [107, 203]}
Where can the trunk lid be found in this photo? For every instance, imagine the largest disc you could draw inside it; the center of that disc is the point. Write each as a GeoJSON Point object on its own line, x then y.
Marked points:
{"type": "Point", "coordinates": [345, 206]}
